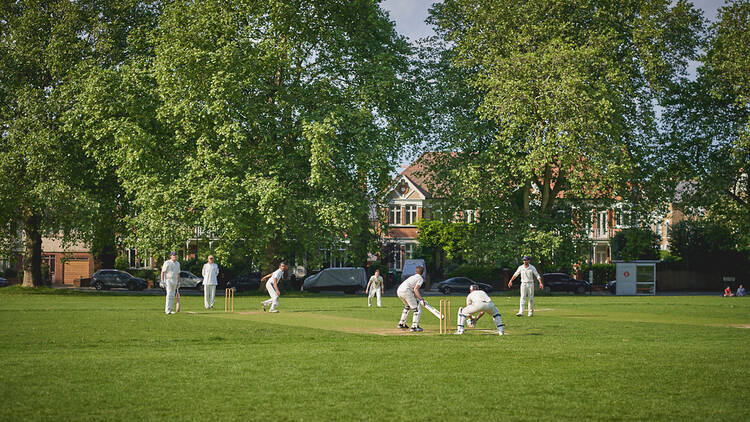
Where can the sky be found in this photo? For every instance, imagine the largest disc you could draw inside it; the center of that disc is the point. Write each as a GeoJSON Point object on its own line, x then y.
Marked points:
{"type": "Point", "coordinates": [410, 15]}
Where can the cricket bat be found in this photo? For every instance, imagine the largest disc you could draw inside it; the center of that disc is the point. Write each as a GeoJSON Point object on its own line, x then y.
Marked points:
{"type": "Point", "coordinates": [177, 306]}
{"type": "Point", "coordinates": [434, 311]}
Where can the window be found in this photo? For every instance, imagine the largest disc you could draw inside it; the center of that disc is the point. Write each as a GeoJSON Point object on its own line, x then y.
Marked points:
{"type": "Point", "coordinates": [624, 218]}
{"type": "Point", "coordinates": [410, 216]}
{"type": "Point", "coordinates": [469, 216]}
{"type": "Point", "coordinates": [601, 224]}
{"type": "Point", "coordinates": [409, 251]}
{"type": "Point", "coordinates": [395, 214]}
{"type": "Point", "coordinates": [396, 262]}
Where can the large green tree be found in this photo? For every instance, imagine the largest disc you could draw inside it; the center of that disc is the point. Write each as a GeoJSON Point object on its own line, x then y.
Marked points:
{"type": "Point", "coordinates": [571, 90]}
{"type": "Point", "coordinates": [286, 117]}
{"type": "Point", "coordinates": [711, 126]}
{"type": "Point", "coordinates": [41, 165]}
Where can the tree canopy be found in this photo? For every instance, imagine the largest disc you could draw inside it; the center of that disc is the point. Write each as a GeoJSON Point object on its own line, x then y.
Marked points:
{"type": "Point", "coordinates": [571, 90]}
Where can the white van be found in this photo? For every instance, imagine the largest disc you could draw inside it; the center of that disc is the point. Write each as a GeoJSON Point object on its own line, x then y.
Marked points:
{"type": "Point", "coordinates": [410, 268]}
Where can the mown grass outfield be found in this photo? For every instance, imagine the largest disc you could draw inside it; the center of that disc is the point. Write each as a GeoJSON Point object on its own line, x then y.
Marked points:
{"type": "Point", "coordinates": [87, 356]}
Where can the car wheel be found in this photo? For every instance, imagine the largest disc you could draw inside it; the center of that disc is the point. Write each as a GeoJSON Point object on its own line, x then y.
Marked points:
{"type": "Point", "coordinates": [199, 286]}
{"type": "Point", "coordinates": [447, 290]}
{"type": "Point", "coordinates": [547, 290]}
{"type": "Point", "coordinates": [98, 285]}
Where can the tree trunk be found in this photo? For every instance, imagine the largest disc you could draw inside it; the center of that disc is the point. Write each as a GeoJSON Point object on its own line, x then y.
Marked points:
{"type": "Point", "coordinates": [32, 252]}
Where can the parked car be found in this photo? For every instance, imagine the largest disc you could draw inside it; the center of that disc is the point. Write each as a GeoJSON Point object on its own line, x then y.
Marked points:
{"type": "Point", "coordinates": [3, 282]}
{"type": "Point", "coordinates": [244, 282]}
{"type": "Point", "coordinates": [348, 279]}
{"type": "Point", "coordinates": [561, 282]}
{"type": "Point", "coordinates": [460, 285]}
{"type": "Point", "coordinates": [188, 280]}
{"type": "Point", "coordinates": [611, 287]}
{"type": "Point", "coordinates": [107, 279]}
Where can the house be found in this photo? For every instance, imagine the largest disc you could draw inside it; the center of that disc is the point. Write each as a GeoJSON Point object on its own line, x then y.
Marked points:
{"type": "Point", "coordinates": [62, 264]}
{"type": "Point", "coordinates": [409, 200]}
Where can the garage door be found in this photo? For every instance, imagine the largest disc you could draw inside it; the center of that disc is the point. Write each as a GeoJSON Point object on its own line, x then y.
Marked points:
{"type": "Point", "coordinates": [75, 269]}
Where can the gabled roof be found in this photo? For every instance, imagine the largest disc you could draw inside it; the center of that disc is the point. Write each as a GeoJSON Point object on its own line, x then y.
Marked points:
{"type": "Point", "coordinates": [418, 172]}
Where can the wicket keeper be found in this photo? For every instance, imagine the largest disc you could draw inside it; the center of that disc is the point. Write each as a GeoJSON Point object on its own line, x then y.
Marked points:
{"type": "Point", "coordinates": [479, 301]}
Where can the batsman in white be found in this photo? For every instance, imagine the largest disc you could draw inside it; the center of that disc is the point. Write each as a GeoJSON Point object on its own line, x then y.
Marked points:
{"type": "Point", "coordinates": [527, 273]}
{"type": "Point", "coordinates": [273, 288]}
{"type": "Point", "coordinates": [210, 271]}
{"type": "Point", "coordinates": [478, 301]}
{"type": "Point", "coordinates": [374, 288]}
{"type": "Point", "coordinates": [408, 292]}
{"type": "Point", "coordinates": [170, 275]}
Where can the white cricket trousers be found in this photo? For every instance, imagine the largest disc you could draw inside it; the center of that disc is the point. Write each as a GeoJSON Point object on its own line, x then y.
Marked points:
{"type": "Point", "coordinates": [274, 300]}
{"type": "Point", "coordinates": [209, 295]}
{"type": "Point", "coordinates": [171, 290]}
{"type": "Point", "coordinates": [527, 291]}
{"type": "Point", "coordinates": [374, 292]}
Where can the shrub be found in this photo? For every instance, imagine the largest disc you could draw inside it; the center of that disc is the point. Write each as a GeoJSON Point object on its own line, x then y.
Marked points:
{"type": "Point", "coordinates": [603, 273]}
{"type": "Point", "coordinates": [148, 275]}
{"type": "Point", "coordinates": [121, 263]}
{"type": "Point", "coordinates": [11, 273]}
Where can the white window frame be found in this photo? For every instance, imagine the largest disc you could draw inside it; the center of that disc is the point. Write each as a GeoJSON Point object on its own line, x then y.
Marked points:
{"type": "Point", "coordinates": [602, 224]}
{"type": "Point", "coordinates": [469, 216]}
{"type": "Point", "coordinates": [410, 215]}
{"type": "Point", "coordinates": [396, 264]}
{"type": "Point", "coordinates": [409, 250]}
{"type": "Point", "coordinates": [394, 215]}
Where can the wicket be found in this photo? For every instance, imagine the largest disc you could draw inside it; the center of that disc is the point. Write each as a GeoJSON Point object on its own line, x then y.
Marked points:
{"type": "Point", "coordinates": [229, 300]}
{"type": "Point", "coordinates": [445, 310]}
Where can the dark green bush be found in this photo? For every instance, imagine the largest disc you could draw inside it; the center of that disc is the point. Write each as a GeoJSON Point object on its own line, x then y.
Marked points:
{"type": "Point", "coordinates": [603, 273]}
{"type": "Point", "coordinates": [121, 263]}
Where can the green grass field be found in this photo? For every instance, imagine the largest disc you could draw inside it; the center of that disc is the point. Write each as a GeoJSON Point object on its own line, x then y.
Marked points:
{"type": "Point", "coordinates": [87, 356]}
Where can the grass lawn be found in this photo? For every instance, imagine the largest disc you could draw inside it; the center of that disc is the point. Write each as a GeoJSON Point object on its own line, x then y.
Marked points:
{"type": "Point", "coordinates": [89, 356]}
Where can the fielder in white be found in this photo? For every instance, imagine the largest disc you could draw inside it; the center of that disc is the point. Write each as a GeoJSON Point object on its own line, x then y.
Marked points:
{"type": "Point", "coordinates": [170, 275]}
{"type": "Point", "coordinates": [210, 271]}
{"type": "Point", "coordinates": [527, 273]}
{"type": "Point", "coordinates": [374, 288]}
{"type": "Point", "coordinates": [273, 288]}
{"type": "Point", "coordinates": [408, 292]}
{"type": "Point", "coordinates": [478, 301]}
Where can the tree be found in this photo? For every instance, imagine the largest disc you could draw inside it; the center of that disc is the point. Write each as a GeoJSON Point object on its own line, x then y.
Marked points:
{"type": "Point", "coordinates": [42, 167]}
{"type": "Point", "coordinates": [570, 89]}
{"type": "Point", "coordinates": [635, 243]}
{"type": "Point", "coordinates": [287, 119]}
{"type": "Point", "coordinates": [702, 244]}
{"type": "Point", "coordinates": [711, 122]}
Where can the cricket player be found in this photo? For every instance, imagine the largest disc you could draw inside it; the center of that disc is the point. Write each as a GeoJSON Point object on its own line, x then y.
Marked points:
{"type": "Point", "coordinates": [210, 271]}
{"type": "Point", "coordinates": [408, 292]}
{"type": "Point", "coordinates": [527, 273]}
{"type": "Point", "coordinates": [273, 288]}
{"type": "Point", "coordinates": [374, 288]}
{"type": "Point", "coordinates": [170, 275]}
{"type": "Point", "coordinates": [478, 301]}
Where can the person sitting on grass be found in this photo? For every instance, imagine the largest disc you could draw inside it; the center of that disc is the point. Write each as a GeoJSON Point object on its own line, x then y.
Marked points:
{"type": "Point", "coordinates": [728, 291]}
{"type": "Point", "coordinates": [740, 291]}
